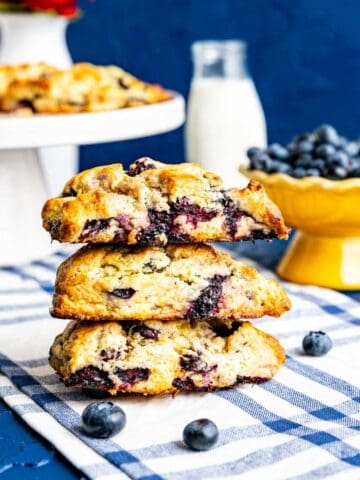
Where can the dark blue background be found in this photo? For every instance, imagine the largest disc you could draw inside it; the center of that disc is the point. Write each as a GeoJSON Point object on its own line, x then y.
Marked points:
{"type": "Point", "coordinates": [304, 56]}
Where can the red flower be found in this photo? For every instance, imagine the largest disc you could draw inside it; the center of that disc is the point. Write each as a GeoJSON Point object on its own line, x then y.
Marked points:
{"type": "Point", "coordinates": [62, 7]}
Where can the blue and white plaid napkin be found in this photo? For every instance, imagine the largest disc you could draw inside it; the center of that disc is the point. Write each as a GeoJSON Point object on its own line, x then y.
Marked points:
{"type": "Point", "coordinates": [305, 424]}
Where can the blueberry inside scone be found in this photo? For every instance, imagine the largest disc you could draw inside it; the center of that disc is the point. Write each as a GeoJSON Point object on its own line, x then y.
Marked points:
{"type": "Point", "coordinates": [164, 357]}
{"type": "Point", "coordinates": [154, 204]}
{"type": "Point", "coordinates": [109, 282]}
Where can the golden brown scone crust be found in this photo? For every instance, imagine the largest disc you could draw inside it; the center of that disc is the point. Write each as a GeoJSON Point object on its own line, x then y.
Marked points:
{"type": "Point", "coordinates": [107, 282]}
{"type": "Point", "coordinates": [25, 72]}
{"type": "Point", "coordinates": [164, 357]}
{"type": "Point", "coordinates": [41, 88]}
{"type": "Point", "coordinates": [156, 203]}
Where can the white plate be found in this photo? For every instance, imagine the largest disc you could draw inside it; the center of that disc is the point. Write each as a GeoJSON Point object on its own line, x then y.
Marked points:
{"type": "Point", "coordinates": [87, 128]}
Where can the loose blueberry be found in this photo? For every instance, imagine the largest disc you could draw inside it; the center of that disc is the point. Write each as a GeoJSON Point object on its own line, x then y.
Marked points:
{"type": "Point", "coordinates": [277, 151]}
{"type": "Point", "coordinates": [257, 164]}
{"type": "Point", "coordinates": [299, 172]}
{"type": "Point", "coordinates": [327, 134]}
{"type": "Point", "coordinates": [316, 343]}
{"type": "Point", "coordinates": [305, 146]}
{"type": "Point", "coordinates": [319, 163]}
{"type": "Point", "coordinates": [103, 419]}
{"type": "Point", "coordinates": [325, 150]}
{"type": "Point", "coordinates": [200, 434]}
{"type": "Point", "coordinates": [263, 162]}
{"type": "Point", "coordinates": [282, 167]}
{"type": "Point", "coordinates": [339, 158]}
{"type": "Point", "coordinates": [351, 148]}
{"type": "Point", "coordinates": [274, 166]}
{"type": "Point", "coordinates": [304, 161]}
{"type": "Point", "coordinates": [340, 173]}
{"type": "Point", "coordinates": [313, 172]}
{"type": "Point", "coordinates": [253, 152]}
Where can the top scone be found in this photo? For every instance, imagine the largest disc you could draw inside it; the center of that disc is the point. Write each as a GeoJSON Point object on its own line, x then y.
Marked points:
{"type": "Point", "coordinates": [42, 88]}
{"type": "Point", "coordinates": [154, 203]}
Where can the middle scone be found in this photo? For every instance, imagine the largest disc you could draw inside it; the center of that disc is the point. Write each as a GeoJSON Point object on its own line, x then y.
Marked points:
{"type": "Point", "coordinates": [109, 282]}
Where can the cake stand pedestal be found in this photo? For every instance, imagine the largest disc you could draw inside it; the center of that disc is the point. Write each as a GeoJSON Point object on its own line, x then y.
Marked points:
{"type": "Point", "coordinates": [23, 188]}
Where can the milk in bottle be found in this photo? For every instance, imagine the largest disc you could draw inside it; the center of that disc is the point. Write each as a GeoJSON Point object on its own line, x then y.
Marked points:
{"type": "Point", "coordinates": [225, 116]}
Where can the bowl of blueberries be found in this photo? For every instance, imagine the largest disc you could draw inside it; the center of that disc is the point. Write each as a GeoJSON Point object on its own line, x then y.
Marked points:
{"type": "Point", "coordinates": [315, 181]}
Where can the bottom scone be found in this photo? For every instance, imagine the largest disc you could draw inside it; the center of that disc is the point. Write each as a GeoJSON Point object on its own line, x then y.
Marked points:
{"type": "Point", "coordinates": [155, 357]}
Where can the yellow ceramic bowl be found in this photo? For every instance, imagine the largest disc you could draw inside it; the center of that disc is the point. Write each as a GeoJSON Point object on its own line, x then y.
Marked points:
{"type": "Point", "coordinates": [326, 213]}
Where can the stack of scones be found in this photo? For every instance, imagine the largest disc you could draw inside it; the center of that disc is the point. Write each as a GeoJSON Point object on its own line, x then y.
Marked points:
{"type": "Point", "coordinates": [153, 309]}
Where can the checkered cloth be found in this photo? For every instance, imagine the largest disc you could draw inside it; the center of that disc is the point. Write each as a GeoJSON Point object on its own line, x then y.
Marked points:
{"type": "Point", "coordinates": [304, 424]}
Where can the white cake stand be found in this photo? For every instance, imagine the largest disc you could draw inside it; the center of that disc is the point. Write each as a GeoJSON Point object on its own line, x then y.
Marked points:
{"type": "Point", "coordinates": [23, 189]}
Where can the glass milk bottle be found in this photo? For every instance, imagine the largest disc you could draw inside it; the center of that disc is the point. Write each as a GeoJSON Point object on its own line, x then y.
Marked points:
{"type": "Point", "coordinates": [225, 116]}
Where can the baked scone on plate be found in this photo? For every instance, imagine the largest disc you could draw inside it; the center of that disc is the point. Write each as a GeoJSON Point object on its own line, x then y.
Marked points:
{"type": "Point", "coordinates": [155, 203]}
{"type": "Point", "coordinates": [109, 282]}
{"type": "Point", "coordinates": [40, 88]}
{"type": "Point", "coordinates": [164, 357]}
{"type": "Point", "coordinates": [23, 72]}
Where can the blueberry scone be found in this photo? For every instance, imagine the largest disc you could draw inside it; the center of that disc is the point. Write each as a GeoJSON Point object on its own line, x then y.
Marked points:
{"type": "Point", "coordinates": [84, 87]}
{"type": "Point", "coordinates": [24, 72]}
{"type": "Point", "coordinates": [155, 203]}
{"type": "Point", "coordinates": [164, 357]}
{"type": "Point", "coordinates": [109, 282]}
